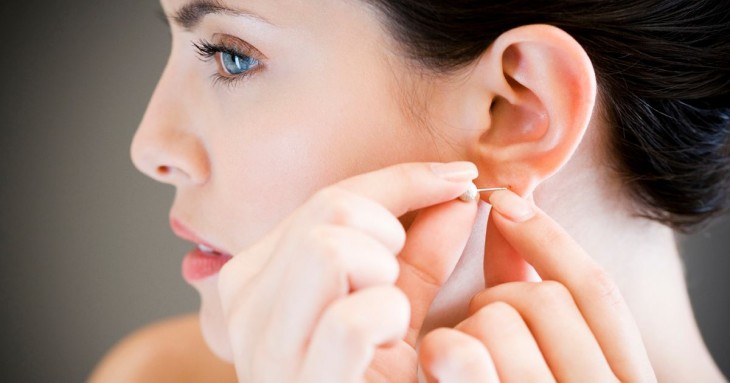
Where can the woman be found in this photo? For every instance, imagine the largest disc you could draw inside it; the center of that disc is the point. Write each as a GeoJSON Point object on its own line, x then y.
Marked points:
{"type": "Point", "coordinates": [296, 133]}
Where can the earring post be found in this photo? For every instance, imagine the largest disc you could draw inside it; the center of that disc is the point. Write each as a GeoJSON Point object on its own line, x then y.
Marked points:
{"type": "Point", "coordinates": [472, 193]}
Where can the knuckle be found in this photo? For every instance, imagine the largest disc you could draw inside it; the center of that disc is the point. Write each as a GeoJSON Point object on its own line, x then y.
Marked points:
{"type": "Point", "coordinates": [478, 301]}
{"type": "Point", "coordinates": [496, 312]}
{"type": "Point", "coordinates": [327, 247]}
{"type": "Point", "coordinates": [324, 195]}
{"type": "Point", "coordinates": [490, 295]}
{"type": "Point", "coordinates": [450, 349]}
{"type": "Point", "coordinates": [475, 303]}
{"type": "Point", "coordinates": [346, 327]}
{"type": "Point", "coordinates": [348, 324]}
{"type": "Point", "coordinates": [406, 173]}
{"type": "Point", "coordinates": [338, 205]}
{"type": "Point", "coordinates": [463, 351]}
{"type": "Point", "coordinates": [496, 315]}
{"type": "Point", "coordinates": [552, 294]}
{"type": "Point", "coordinates": [431, 338]}
{"type": "Point", "coordinates": [398, 233]}
{"type": "Point", "coordinates": [393, 270]}
{"type": "Point", "coordinates": [322, 236]}
{"type": "Point", "coordinates": [605, 288]}
{"type": "Point", "coordinates": [446, 349]}
{"type": "Point", "coordinates": [551, 235]}
{"type": "Point", "coordinates": [433, 341]}
{"type": "Point", "coordinates": [387, 267]}
{"type": "Point", "coordinates": [398, 300]}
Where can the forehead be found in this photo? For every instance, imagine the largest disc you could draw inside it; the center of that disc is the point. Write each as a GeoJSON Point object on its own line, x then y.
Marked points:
{"type": "Point", "coordinates": [280, 13]}
{"type": "Point", "coordinates": [329, 27]}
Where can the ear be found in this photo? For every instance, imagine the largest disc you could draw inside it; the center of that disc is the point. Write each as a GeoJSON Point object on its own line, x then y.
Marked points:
{"type": "Point", "coordinates": [541, 89]}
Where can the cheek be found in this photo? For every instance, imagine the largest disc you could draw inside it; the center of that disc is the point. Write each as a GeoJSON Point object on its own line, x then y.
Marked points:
{"type": "Point", "coordinates": [279, 152]}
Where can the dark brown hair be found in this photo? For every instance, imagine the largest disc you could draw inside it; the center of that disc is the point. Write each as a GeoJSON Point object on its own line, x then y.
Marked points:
{"type": "Point", "coordinates": [663, 66]}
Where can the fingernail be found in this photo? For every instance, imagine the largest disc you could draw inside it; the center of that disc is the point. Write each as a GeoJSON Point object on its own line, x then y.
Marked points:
{"type": "Point", "coordinates": [459, 171]}
{"type": "Point", "coordinates": [512, 206]}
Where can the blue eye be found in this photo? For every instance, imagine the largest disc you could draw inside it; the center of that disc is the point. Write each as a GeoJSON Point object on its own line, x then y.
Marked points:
{"type": "Point", "coordinates": [235, 64]}
{"type": "Point", "coordinates": [232, 63]}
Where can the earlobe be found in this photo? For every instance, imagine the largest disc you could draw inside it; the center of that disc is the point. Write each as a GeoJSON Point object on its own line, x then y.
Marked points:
{"type": "Point", "coordinates": [541, 91]}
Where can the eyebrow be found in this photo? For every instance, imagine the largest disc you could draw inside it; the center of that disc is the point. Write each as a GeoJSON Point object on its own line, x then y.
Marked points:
{"type": "Point", "coordinates": [193, 12]}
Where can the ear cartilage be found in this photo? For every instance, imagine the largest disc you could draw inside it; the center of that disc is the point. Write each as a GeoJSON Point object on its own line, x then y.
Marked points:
{"type": "Point", "coordinates": [472, 193]}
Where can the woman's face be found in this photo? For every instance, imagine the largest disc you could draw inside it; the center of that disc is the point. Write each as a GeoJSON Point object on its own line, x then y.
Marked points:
{"type": "Point", "coordinates": [268, 109]}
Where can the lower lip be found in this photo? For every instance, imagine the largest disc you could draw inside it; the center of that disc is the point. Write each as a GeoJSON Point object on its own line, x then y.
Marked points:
{"type": "Point", "coordinates": [197, 265]}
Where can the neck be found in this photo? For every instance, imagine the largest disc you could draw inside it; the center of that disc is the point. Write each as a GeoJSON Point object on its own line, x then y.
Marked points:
{"type": "Point", "coordinates": [642, 257]}
{"type": "Point", "coordinates": [596, 210]}
{"type": "Point", "coordinates": [639, 254]}
{"type": "Point", "coordinates": [595, 215]}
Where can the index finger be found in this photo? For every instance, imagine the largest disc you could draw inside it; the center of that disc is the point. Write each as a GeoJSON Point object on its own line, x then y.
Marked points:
{"type": "Point", "coordinates": [410, 186]}
{"type": "Point", "coordinates": [398, 188]}
{"type": "Point", "coordinates": [556, 256]}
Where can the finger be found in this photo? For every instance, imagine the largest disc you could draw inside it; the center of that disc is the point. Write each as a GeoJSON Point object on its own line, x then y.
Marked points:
{"type": "Point", "coordinates": [411, 186]}
{"type": "Point", "coordinates": [329, 206]}
{"type": "Point", "coordinates": [342, 207]}
{"type": "Point", "coordinates": [502, 263]}
{"type": "Point", "coordinates": [336, 261]}
{"type": "Point", "coordinates": [510, 343]}
{"type": "Point", "coordinates": [397, 362]}
{"type": "Point", "coordinates": [566, 342]}
{"type": "Point", "coordinates": [556, 256]}
{"type": "Point", "coordinates": [398, 189]}
{"type": "Point", "coordinates": [434, 244]}
{"type": "Point", "coordinates": [246, 264]}
{"type": "Point", "coordinates": [450, 356]}
{"type": "Point", "coordinates": [345, 338]}
{"type": "Point", "coordinates": [330, 262]}
{"type": "Point", "coordinates": [367, 200]}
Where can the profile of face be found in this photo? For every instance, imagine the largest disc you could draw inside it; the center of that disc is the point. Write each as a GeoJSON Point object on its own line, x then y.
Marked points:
{"type": "Point", "coordinates": [260, 107]}
{"type": "Point", "coordinates": [254, 113]}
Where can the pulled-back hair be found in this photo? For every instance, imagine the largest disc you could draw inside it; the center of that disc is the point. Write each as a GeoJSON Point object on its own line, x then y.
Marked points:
{"type": "Point", "coordinates": [662, 66]}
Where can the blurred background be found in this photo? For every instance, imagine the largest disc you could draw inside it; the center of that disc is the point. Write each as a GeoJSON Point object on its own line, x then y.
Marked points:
{"type": "Point", "coordinates": [86, 254]}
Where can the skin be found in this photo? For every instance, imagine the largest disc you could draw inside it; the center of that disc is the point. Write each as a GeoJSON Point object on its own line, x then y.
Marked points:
{"type": "Point", "coordinates": [308, 145]}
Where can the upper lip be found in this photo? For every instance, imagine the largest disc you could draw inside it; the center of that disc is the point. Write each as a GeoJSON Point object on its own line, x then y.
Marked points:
{"type": "Point", "coordinates": [187, 234]}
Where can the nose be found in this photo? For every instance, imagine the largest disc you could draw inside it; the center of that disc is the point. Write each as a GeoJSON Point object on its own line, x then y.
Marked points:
{"type": "Point", "coordinates": [166, 147]}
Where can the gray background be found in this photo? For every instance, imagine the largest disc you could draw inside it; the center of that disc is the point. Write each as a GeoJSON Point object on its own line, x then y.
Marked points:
{"type": "Point", "coordinates": [86, 254]}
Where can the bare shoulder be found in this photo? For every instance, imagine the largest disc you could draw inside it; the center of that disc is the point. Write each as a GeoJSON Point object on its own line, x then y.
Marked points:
{"type": "Point", "coordinates": [171, 350]}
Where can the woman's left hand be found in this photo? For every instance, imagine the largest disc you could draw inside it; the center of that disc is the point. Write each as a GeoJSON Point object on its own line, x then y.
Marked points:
{"type": "Point", "coordinates": [573, 326]}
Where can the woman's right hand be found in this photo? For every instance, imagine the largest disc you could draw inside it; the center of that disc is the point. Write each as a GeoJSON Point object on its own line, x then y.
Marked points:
{"type": "Point", "coordinates": [340, 278]}
{"type": "Point", "coordinates": [571, 326]}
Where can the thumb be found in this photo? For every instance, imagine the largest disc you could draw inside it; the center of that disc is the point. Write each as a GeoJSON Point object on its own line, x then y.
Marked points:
{"type": "Point", "coordinates": [502, 263]}
{"type": "Point", "coordinates": [434, 244]}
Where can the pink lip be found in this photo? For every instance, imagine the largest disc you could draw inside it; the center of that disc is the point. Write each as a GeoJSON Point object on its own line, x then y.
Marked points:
{"type": "Point", "coordinates": [197, 264]}
{"type": "Point", "coordinates": [183, 232]}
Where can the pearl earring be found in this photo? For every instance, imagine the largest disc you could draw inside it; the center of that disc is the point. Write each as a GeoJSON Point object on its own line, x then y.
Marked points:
{"type": "Point", "coordinates": [472, 193]}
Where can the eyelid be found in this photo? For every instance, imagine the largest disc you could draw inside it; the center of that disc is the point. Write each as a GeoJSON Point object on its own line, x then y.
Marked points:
{"type": "Point", "coordinates": [240, 45]}
{"type": "Point", "coordinates": [231, 45]}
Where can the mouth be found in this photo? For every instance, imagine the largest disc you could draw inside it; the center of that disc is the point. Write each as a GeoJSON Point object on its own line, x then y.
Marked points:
{"type": "Point", "coordinates": [205, 260]}
{"type": "Point", "coordinates": [209, 250]}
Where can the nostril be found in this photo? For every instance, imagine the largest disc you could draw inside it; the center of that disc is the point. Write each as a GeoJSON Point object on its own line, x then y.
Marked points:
{"type": "Point", "coordinates": [163, 170]}
{"type": "Point", "coordinates": [170, 174]}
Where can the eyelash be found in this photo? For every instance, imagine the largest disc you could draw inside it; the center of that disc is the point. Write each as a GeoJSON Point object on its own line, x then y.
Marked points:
{"type": "Point", "coordinates": [208, 51]}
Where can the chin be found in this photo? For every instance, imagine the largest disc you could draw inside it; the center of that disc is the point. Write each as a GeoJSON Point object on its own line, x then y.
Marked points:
{"type": "Point", "coordinates": [212, 324]}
